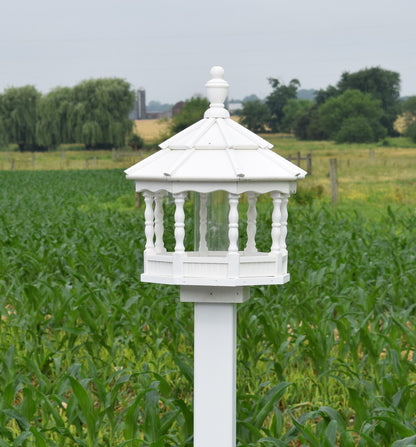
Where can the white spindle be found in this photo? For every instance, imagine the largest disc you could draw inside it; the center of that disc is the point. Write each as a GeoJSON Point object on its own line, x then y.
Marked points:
{"type": "Point", "coordinates": [149, 229]}
{"type": "Point", "coordinates": [251, 223]}
{"type": "Point", "coordinates": [179, 222]}
{"type": "Point", "coordinates": [276, 221]}
{"type": "Point", "coordinates": [233, 223]}
{"type": "Point", "coordinates": [203, 223]}
{"type": "Point", "coordinates": [159, 245]}
{"type": "Point", "coordinates": [283, 232]}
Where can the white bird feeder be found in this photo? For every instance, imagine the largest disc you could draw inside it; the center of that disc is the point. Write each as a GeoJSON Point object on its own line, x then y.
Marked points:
{"type": "Point", "coordinates": [215, 157]}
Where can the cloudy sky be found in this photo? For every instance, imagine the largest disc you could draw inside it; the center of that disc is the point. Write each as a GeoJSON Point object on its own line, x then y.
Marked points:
{"type": "Point", "coordinates": [168, 46]}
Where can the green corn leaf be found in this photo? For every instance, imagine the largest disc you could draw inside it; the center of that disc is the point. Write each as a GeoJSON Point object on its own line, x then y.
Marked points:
{"type": "Point", "coordinates": [19, 418]}
{"type": "Point", "coordinates": [39, 440]}
{"type": "Point", "coordinates": [22, 438]}
{"type": "Point", "coordinates": [402, 428]}
{"type": "Point", "coordinates": [188, 416]}
{"type": "Point", "coordinates": [151, 411]}
{"type": "Point", "coordinates": [346, 440]}
{"type": "Point", "coordinates": [87, 407]}
{"type": "Point", "coordinates": [306, 433]}
{"type": "Point", "coordinates": [405, 442]}
{"type": "Point", "coordinates": [167, 420]}
{"type": "Point", "coordinates": [266, 404]}
{"type": "Point", "coordinates": [330, 435]}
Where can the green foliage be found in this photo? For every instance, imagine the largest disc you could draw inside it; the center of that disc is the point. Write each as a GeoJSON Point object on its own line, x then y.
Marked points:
{"type": "Point", "coordinates": [135, 142]}
{"type": "Point", "coordinates": [255, 115]}
{"type": "Point", "coordinates": [355, 129]}
{"type": "Point", "coordinates": [18, 115]}
{"type": "Point", "coordinates": [4, 141]}
{"type": "Point", "coordinates": [192, 111]}
{"type": "Point", "coordinates": [339, 115]}
{"type": "Point", "coordinates": [383, 85]}
{"type": "Point", "coordinates": [411, 131]}
{"type": "Point", "coordinates": [293, 111]}
{"type": "Point", "coordinates": [322, 96]}
{"type": "Point", "coordinates": [278, 99]}
{"type": "Point", "coordinates": [53, 125]}
{"type": "Point", "coordinates": [99, 114]}
{"type": "Point", "coordinates": [308, 125]}
{"type": "Point", "coordinates": [409, 106]}
{"type": "Point", "coordinates": [94, 112]}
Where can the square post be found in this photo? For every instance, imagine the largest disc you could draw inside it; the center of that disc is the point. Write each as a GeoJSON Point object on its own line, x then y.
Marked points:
{"type": "Point", "coordinates": [215, 374]}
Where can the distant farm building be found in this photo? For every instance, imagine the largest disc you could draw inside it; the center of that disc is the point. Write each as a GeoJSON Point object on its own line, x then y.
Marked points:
{"type": "Point", "coordinates": [139, 111]}
{"type": "Point", "coordinates": [177, 107]}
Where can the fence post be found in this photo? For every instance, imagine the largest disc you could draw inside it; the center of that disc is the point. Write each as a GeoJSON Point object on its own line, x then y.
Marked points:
{"type": "Point", "coordinates": [86, 163]}
{"type": "Point", "coordinates": [33, 160]}
{"type": "Point", "coordinates": [114, 153]}
{"type": "Point", "coordinates": [95, 161]}
{"type": "Point", "coordinates": [12, 165]}
{"type": "Point", "coordinates": [371, 154]}
{"type": "Point", "coordinates": [138, 199]}
{"type": "Point", "coordinates": [309, 163]}
{"type": "Point", "coordinates": [334, 181]}
{"type": "Point", "coordinates": [298, 158]}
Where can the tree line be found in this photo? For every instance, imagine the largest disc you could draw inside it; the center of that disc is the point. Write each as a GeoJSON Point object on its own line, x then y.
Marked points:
{"type": "Point", "coordinates": [362, 107]}
{"type": "Point", "coordinates": [94, 112]}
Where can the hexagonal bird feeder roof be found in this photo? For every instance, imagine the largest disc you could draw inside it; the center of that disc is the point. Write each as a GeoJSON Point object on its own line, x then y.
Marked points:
{"type": "Point", "coordinates": [216, 153]}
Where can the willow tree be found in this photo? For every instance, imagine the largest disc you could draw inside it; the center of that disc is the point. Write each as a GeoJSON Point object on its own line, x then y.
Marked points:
{"type": "Point", "coordinates": [99, 112]}
{"type": "Point", "coordinates": [4, 141]}
{"type": "Point", "coordinates": [18, 113]}
{"type": "Point", "coordinates": [53, 123]}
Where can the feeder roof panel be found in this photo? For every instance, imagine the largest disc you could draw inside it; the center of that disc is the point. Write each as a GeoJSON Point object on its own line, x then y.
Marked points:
{"type": "Point", "coordinates": [216, 133]}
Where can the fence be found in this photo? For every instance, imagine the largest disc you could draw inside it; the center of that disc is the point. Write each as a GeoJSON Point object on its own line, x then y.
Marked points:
{"type": "Point", "coordinates": [61, 161]}
{"type": "Point", "coordinates": [298, 158]}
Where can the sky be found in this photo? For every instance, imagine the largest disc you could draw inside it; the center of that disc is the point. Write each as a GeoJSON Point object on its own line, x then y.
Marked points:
{"type": "Point", "coordinates": [169, 46]}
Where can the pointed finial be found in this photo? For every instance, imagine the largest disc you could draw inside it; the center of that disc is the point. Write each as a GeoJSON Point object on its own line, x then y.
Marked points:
{"type": "Point", "coordinates": [217, 91]}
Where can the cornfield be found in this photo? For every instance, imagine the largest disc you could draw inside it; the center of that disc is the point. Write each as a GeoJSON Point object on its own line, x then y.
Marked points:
{"type": "Point", "coordinates": [90, 356]}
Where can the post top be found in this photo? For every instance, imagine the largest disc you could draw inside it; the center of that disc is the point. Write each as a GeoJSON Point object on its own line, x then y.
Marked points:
{"type": "Point", "coordinates": [217, 92]}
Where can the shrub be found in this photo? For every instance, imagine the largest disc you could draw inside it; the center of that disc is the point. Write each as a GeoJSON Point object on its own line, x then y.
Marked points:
{"type": "Point", "coordinates": [355, 130]}
{"type": "Point", "coordinates": [135, 142]}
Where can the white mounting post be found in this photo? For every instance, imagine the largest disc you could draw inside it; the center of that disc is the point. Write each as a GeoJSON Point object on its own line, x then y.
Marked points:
{"type": "Point", "coordinates": [215, 375]}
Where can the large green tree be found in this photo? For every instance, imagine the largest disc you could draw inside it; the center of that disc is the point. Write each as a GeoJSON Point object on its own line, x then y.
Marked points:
{"type": "Point", "coordinates": [352, 117]}
{"type": "Point", "coordinates": [382, 84]}
{"type": "Point", "coordinates": [98, 112]}
{"type": "Point", "coordinates": [255, 115]}
{"type": "Point", "coordinates": [278, 99]}
{"type": "Point", "coordinates": [191, 112]}
{"type": "Point", "coordinates": [18, 114]}
{"type": "Point", "coordinates": [292, 111]}
{"type": "Point", "coordinates": [53, 126]}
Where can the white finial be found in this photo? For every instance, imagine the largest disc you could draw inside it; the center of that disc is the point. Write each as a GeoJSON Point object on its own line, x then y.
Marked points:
{"type": "Point", "coordinates": [217, 91]}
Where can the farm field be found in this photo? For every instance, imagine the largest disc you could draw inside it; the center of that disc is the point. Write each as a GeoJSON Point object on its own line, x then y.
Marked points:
{"type": "Point", "coordinates": [90, 356]}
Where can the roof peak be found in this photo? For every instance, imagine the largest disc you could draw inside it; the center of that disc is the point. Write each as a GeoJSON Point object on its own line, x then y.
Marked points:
{"type": "Point", "coordinates": [217, 92]}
